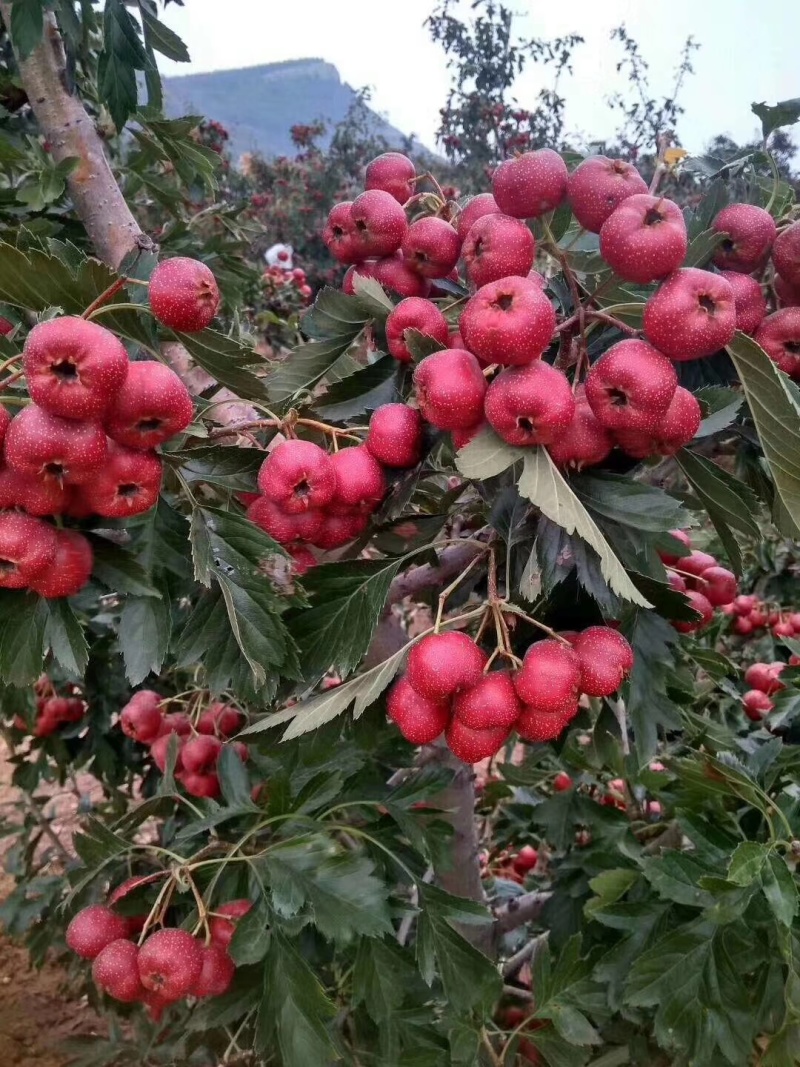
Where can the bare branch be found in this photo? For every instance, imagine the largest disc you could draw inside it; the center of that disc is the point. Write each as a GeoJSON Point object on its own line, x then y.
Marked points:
{"type": "Point", "coordinates": [527, 953]}
{"type": "Point", "coordinates": [518, 911]}
{"type": "Point", "coordinates": [418, 579]}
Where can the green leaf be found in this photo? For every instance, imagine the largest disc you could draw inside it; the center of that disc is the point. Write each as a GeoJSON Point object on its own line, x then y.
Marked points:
{"type": "Point", "coordinates": [746, 862]}
{"type": "Point", "coordinates": [780, 889]}
{"type": "Point", "coordinates": [230, 467]}
{"type": "Point", "coordinates": [784, 113]}
{"type": "Point", "coordinates": [543, 484]}
{"type": "Point", "coordinates": [675, 962]}
{"type": "Point", "coordinates": [645, 507]}
{"type": "Point", "coordinates": [251, 938]}
{"type": "Point", "coordinates": [27, 25]}
{"type": "Point", "coordinates": [373, 296]}
{"type": "Point", "coordinates": [23, 621]}
{"type": "Point", "coordinates": [365, 390]}
{"type": "Point", "coordinates": [161, 38]}
{"type": "Point", "coordinates": [453, 908]}
{"type": "Point", "coordinates": [487, 455]}
{"type": "Point", "coordinates": [721, 492]}
{"type": "Point", "coordinates": [123, 54]}
{"type": "Point", "coordinates": [144, 632]}
{"type": "Point", "coordinates": [37, 281]}
{"type": "Point", "coordinates": [119, 571]}
{"type": "Point", "coordinates": [701, 248]}
{"type": "Point", "coordinates": [227, 361]}
{"type": "Point", "coordinates": [723, 406]}
{"type": "Point", "coordinates": [609, 887]}
{"type": "Point", "coordinates": [65, 638]}
{"type": "Point", "coordinates": [381, 977]}
{"type": "Point", "coordinates": [233, 778]}
{"type": "Point", "coordinates": [420, 345]}
{"type": "Point", "coordinates": [674, 876]}
{"type": "Point", "coordinates": [468, 978]}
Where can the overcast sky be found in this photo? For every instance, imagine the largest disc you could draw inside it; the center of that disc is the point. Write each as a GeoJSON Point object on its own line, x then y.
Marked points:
{"type": "Point", "coordinates": [748, 53]}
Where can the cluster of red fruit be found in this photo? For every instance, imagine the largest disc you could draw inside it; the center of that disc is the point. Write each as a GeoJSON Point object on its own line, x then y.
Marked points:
{"type": "Point", "coordinates": [199, 745]}
{"type": "Point", "coordinates": [702, 581]}
{"type": "Point", "coordinates": [446, 688]}
{"type": "Point", "coordinates": [53, 711]}
{"type": "Point", "coordinates": [764, 682]}
{"type": "Point", "coordinates": [752, 615]}
{"type": "Point", "coordinates": [168, 966]}
{"type": "Point", "coordinates": [85, 444]}
{"type": "Point", "coordinates": [284, 286]}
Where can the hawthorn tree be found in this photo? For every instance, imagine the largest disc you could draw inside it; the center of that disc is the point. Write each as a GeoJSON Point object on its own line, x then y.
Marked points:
{"type": "Point", "coordinates": [200, 546]}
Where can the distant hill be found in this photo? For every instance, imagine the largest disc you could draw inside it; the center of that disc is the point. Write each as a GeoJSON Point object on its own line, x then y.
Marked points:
{"type": "Point", "coordinates": [258, 105]}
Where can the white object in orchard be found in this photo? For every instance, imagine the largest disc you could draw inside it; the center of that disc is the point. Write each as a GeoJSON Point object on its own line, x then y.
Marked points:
{"type": "Point", "coordinates": [279, 255]}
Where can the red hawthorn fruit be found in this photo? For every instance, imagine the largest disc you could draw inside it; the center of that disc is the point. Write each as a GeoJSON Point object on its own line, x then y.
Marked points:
{"type": "Point", "coordinates": [199, 755]}
{"type": "Point", "coordinates": [151, 406]}
{"type": "Point", "coordinates": [5, 422]}
{"type": "Point", "coordinates": [606, 658]}
{"type": "Point", "coordinates": [27, 548]}
{"type": "Point", "coordinates": [93, 928]}
{"type": "Point", "coordinates": [794, 619]}
{"type": "Point", "coordinates": [757, 705]}
{"type": "Point", "coordinates": [392, 272]}
{"type": "Point", "coordinates": [510, 322]}
{"type": "Point", "coordinates": [644, 238]}
{"type": "Point", "coordinates": [678, 427]}
{"type": "Point", "coordinates": [779, 336]}
{"type": "Point", "coordinates": [761, 676]}
{"type": "Point", "coordinates": [380, 223]}
{"type": "Point", "coordinates": [220, 719]}
{"type": "Point", "coordinates": [744, 604]}
{"type": "Point", "coordinates": [141, 718]}
{"type": "Point", "coordinates": [491, 703]}
{"type": "Point", "coordinates": [303, 559]}
{"type": "Point", "coordinates": [526, 859]}
{"type": "Point", "coordinates": [73, 368]}
{"type": "Point", "coordinates": [474, 209]}
{"type": "Point", "coordinates": [6, 327]}
{"type": "Point", "coordinates": [598, 185]}
{"type": "Point", "coordinates": [340, 235]}
{"type": "Point", "coordinates": [700, 604]}
{"type": "Point", "coordinates": [719, 586]}
{"type": "Point", "coordinates": [585, 442]}
{"type": "Point", "coordinates": [414, 313]}
{"type": "Point", "coordinates": [200, 785]}
{"type": "Point", "coordinates": [540, 726]}
{"type": "Point", "coordinates": [42, 445]}
{"type": "Point", "coordinates": [339, 529]}
{"type": "Point", "coordinates": [696, 563]}
{"type": "Point", "coordinates": [758, 619]}
{"type": "Point", "coordinates": [471, 746]}
{"type": "Point", "coordinates": [678, 535]}
{"type": "Point", "coordinates": [128, 484]}
{"type": "Point", "coordinates": [562, 782]}
{"type": "Point", "coordinates": [631, 387]}
{"type": "Point", "coordinates": [159, 750]}
{"type": "Point", "coordinates": [298, 476]}
{"type": "Point", "coordinates": [498, 246]}
{"type": "Point", "coordinates": [788, 295]}
{"type": "Point", "coordinates": [419, 719]}
{"type": "Point", "coordinates": [530, 405]}
{"type": "Point", "coordinates": [395, 436]}
{"type": "Point", "coordinates": [283, 528]}
{"type": "Point", "coordinates": [222, 925]}
{"type": "Point", "coordinates": [441, 664]}
{"type": "Point", "coordinates": [531, 184]}
{"type": "Point", "coordinates": [749, 230]}
{"type": "Point", "coordinates": [461, 438]}
{"type": "Point", "coordinates": [184, 294]}
{"type": "Point", "coordinates": [216, 974]}
{"type": "Point", "coordinates": [34, 495]}
{"type": "Point", "coordinates": [742, 626]}
{"type": "Point", "coordinates": [70, 570]}
{"type": "Point", "coordinates": [450, 388]}
{"type": "Point", "coordinates": [431, 247]}
{"type": "Point", "coordinates": [548, 680]}
{"type": "Point", "coordinates": [783, 629]}
{"type": "Point", "coordinates": [116, 971]}
{"type": "Point", "coordinates": [748, 299]}
{"type": "Point", "coordinates": [691, 315]}
{"type": "Point", "coordinates": [393, 173]}
{"type": "Point", "coordinates": [786, 255]}
{"type": "Point", "coordinates": [170, 962]}
{"type": "Point", "coordinates": [360, 481]}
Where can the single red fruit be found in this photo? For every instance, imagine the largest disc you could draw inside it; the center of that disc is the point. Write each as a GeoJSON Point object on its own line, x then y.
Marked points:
{"type": "Point", "coordinates": [27, 548]}
{"type": "Point", "coordinates": [644, 238]}
{"type": "Point", "coordinates": [340, 235]}
{"type": "Point", "coordinates": [393, 173]}
{"type": "Point", "coordinates": [116, 971]}
{"type": "Point", "coordinates": [340, 529]}
{"type": "Point", "coordinates": [283, 528]}
{"type": "Point", "coordinates": [199, 755]}
{"type": "Point", "coordinates": [696, 563]}
{"type": "Point", "coordinates": [779, 336]}
{"type": "Point", "coordinates": [37, 496]}
{"type": "Point", "coordinates": [216, 974]}
{"type": "Point", "coordinates": [606, 658]}
{"type": "Point", "coordinates": [184, 294]}
{"type": "Point", "coordinates": [585, 442]}
{"type": "Point", "coordinates": [783, 629]}
{"type": "Point", "coordinates": [530, 405]}
{"type": "Point", "coordinates": [540, 726]}
{"type": "Point", "coordinates": [748, 299]}
{"type": "Point", "coordinates": [159, 750]}
{"type": "Point", "coordinates": [526, 859]}
{"type": "Point", "coordinates": [395, 436]}
{"type": "Point", "coordinates": [744, 604]}
{"type": "Point", "coordinates": [42, 445]}
{"type": "Point", "coordinates": [788, 295]}
{"type": "Point", "coordinates": [474, 209]}
{"type": "Point", "coordinates": [379, 221]}
{"type": "Point", "coordinates": [677, 428]}
{"type": "Point", "coordinates": [498, 246]}
{"type": "Point", "coordinates": [220, 719]}
{"type": "Point", "coordinates": [92, 929]}
{"type": "Point", "coordinates": [761, 676]}
{"type": "Point", "coordinates": [441, 664]}
{"type": "Point", "coordinates": [562, 782]}
{"type": "Point", "coordinates": [128, 484]}
{"type": "Point", "coordinates": [151, 406]}
{"type": "Point", "coordinates": [719, 586]}
{"type": "Point", "coordinates": [691, 315]}
{"type": "Point", "coordinates": [742, 626]}
{"type": "Point", "coordinates": [491, 703]}
{"type": "Point", "coordinates": [414, 313]}
{"type": "Point", "coordinates": [749, 231]}
{"type": "Point", "coordinates": [509, 321]}
{"type": "Point", "coordinates": [222, 925]}
{"type": "Point", "coordinates": [170, 962]}
{"type": "Point", "coordinates": [303, 559]}
{"type": "Point", "coordinates": [393, 273]}
{"type": "Point", "coordinates": [531, 184]}
{"type": "Point", "coordinates": [6, 326]}
{"type": "Point", "coordinates": [631, 387]}
{"type": "Point", "coordinates": [757, 705]}
{"type": "Point", "coordinates": [471, 746]}
{"type": "Point", "coordinates": [450, 388]}
{"type": "Point", "coordinates": [74, 368]}
{"type": "Point", "coordinates": [548, 680]}
{"type": "Point", "coordinates": [141, 718]}
{"type": "Point", "coordinates": [297, 476]}
{"type": "Point", "coordinates": [786, 254]}
{"type": "Point", "coordinates": [419, 719]}
{"type": "Point", "coordinates": [431, 247]}
{"type": "Point", "coordinates": [598, 185]}
{"type": "Point", "coordinates": [700, 603]}
{"type": "Point", "coordinates": [360, 482]}
{"type": "Point", "coordinates": [200, 785]}
{"type": "Point", "coordinates": [71, 567]}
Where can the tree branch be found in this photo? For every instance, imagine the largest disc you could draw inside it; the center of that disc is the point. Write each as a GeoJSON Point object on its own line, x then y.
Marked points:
{"type": "Point", "coordinates": [526, 953]}
{"type": "Point", "coordinates": [415, 581]}
{"type": "Point", "coordinates": [518, 911]}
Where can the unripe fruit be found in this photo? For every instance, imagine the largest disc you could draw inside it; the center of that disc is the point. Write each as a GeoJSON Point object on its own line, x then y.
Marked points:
{"type": "Point", "coordinates": [498, 246]}
{"type": "Point", "coordinates": [116, 971]}
{"type": "Point", "coordinates": [606, 658]}
{"type": "Point", "coordinates": [748, 299]}
{"type": "Point", "coordinates": [585, 442]}
{"type": "Point", "coordinates": [491, 703]}
{"type": "Point", "coordinates": [677, 428]}
{"type": "Point", "coordinates": [510, 322]}
{"type": "Point", "coordinates": [549, 678]}
{"type": "Point", "coordinates": [151, 406]}
{"type": "Point", "coordinates": [779, 336]}
{"type": "Point", "coordinates": [471, 746]}
{"type": "Point", "coordinates": [360, 482]}
{"type": "Point", "coordinates": [786, 254]}
{"type": "Point", "coordinates": [297, 476]}
{"type": "Point", "coordinates": [719, 586]}
{"type": "Point", "coordinates": [216, 974]}
{"type": "Point", "coordinates": [283, 528]}
{"type": "Point", "coordinates": [128, 484]}
{"type": "Point", "coordinates": [340, 529]}
{"type": "Point", "coordinates": [170, 962]}
{"type": "Point", "coordinates": [184, 294]}
{"type": "Point", "coordinates": [419, 719]}
{"type": "Point", "coordinates": [442, 664]}
{"type": "Point", "coordinates": [562, 782]}
{"type": "Point", "coordinates": [474, 209]}
{"type": "Point", "coordinates": [750, 232]}
{"type": "Point", "coordinates": [340, 235]}
{"type": "Point", "coordinates": [93, 928]}
{"type": "Point", "coordinates": [42, 445]}
{"type": "Point", "coordinates": [530, 185]}
{"type": "Point", "coordinates": [530, 405]}
{"type": "Point", "coordinates": [700, 603]}
{"type": "Point", "coordinates": [379, 222]}
{"type": "Point", "coordinates": [200, 754]}
{"type": "Point", "coordinates": [141, 718]}
{"type": "Point", "coordinates": [691, 315]}
{"type": "Point", "coordinates": [540, 726]}
{"type": "Point", "coordinates": [757, 705]}
{"type": "Point", "coordinates": [393, 173]}
{"type": "Point", "coordinates": [598, 185]}
{"type": "Point", "coordinates": [644, 238]}
{"type": "Point", "coordinates": [431, 247]}
{"type": "Point", "coordinates": [71, 567]}
{"type": "Point", "coordinates": [414, 313]}
{"type": "Point", "coordinates": [222, 926]}
{"type": "Point", "coordinates": [631, 387]}
{"type": "Point", "coordinates": [74, 368]}
{"type": "Point", "coordinates": [395, 436]}
{"type": "Point", "coordinates": [450, 388]}
{"type": "Point", "coordinates": [27, 548]}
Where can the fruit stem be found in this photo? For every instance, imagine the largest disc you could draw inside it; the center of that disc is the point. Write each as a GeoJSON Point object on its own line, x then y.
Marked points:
{"type": "Point", "coordinates": [452, 588]}
{"type": "Point", "coordinates": [11, 379]}
{"type": "Point", "coordinates": [116, 307]}
{"type": "Point", "coordinates": [105, 296]}
{"type": "Point", "coordinates": [9, 361]}
{"type": "Point", "coordinates": [508, 606]}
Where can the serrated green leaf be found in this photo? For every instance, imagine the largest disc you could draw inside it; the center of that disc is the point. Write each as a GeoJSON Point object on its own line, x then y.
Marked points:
{"type": "Point", "coordinates": [65, 638]}
{"type": "Point", "coordinates": [785, 113]}
{"type": "Point", "coordinates": [381, 977]}
{"type": "Point", "coordinates": [421, 345]}
{"type": "Point", "coordinates": [780, 889]}
{"type": "Point", "coordinates": [227, 361]}
{"type": "Point", "coordinates": [678, 956]}
{"type": "Point", "coordinates": [723, 406]}
{"type": "Point", "coordinates": [251, 938]}
{"type": "Point", "coordinates": [746, 862]}
{"type": "Point", "coordinates": [645, 507]}
{"type": "Point", "coordinates": [123, 54]}
{"type": "Point", "coordinates": [27, 25]}
{"type": "Point", "coordinates": [674, 876]}
{"type": "Point", "coordinates": [23, 621]}
{"type": "Point", "coordinates": [161, 38]}
{"type": "Point", "coordinates": [701, 248]}
{"type": "Point", "coordinates": [365, 390]}
{"type": "Point", "coordinates": [230, 467]}
{"type": "Point", "coordinates": [487, 455]}
{"type": "Point", "coordinates": [144, 632]}
{"type": "Point", "coordinates": [720, 491]}
{"type": "Point", "coordinates": [372, 296]}
{"type": "Point", "coordinates": [119, 571]}
{"type": "Point", "coordinates": [233, 778]}
{"type": "Point", "coordinates": [468, 978]}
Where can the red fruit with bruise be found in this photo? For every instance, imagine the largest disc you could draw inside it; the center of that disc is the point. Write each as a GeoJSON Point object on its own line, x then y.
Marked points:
{"type": "Point", "coordinates": [644, 238]}
{"type": "Point", "coordinates": [419, 719]}
{"type": "Point", "coordinates": [70, 570]}
{"type": "Point", "coordinates": [585, 442]}
{"type": "Point", "coordinates": [606, 658]}
{"type": "Point", "coordinates": [42, 445]}
{"type": "Point", "coordinates": [719, 586]}
{"type": "Point", "coordinates": [298, 476]}
{"type": "Point", "coordinates": [222, 925]}
{"type": "Point", "coordinates": [530, 405]}
{"type": "Point", "coordinates": [116, 971]}
{"type": "Point", "coordinates": [779, 336]}
{"type": "Point", "coordinates": [360, 481]}
{"type": "Point", "coordinates": [74, 368]}
{"type": "Point", "coordinates": [631, 387]}
{"type": "Point", "coordinates": [442, 664]}
{"type": "Point", "coordinates": [392, 172]}
{"type": "Point", "coordinates": [27, 548]}
{"type": "Point", "coordinates": [170, 962]}
{"type": "Point", "coordinates": [379, 222]}
{"type": "Point", "coordinates": [184, 294]}
{"type": "Point", "coordinates": [786, 254]}
{"type": "Point", "coordinates": [471, 746]}
{"type": "Point", "coordinates": [677, 428]}
{"type": "Point", "coordinates": [750, 232]}
{"type": "Point", "coordinates": [598, 185]}
{"type": "Point", "coordinates": [216, 974]}
{"type": "Point", "coordinates": [510, 322]}
{"type": "Point", "coordinates": [691, 315]}
{"type": "Point", "coordinates": [548, 680]}
{"type": "Point", "coordinates": [339, 234]}
{"type": "Point", "coordinates": [498, 246]}
{"type": "Point", "coordinates": [94, 928]}
{"type": "Point", "coordinates": [700, 603]}
{"type": "Point", "coordinates": [151, 406]}
{"type": "Point", "coordinates": [490, 704]}
{"type": "Point", "coordinates": [431, 247]}
{"type": "Point", "coordinates": [128, 484]}
{"type": "Point", "coordinates": [748, 299]}
{"type": "Point", "coordinates": [283, 528]}
{"type": "Point", "coordinates": [414, 313]}
{"type": "Point", "coordinates": [395, 436]}
{"type": "Point", "coordinates": [531, 184]}
{"type": "Point", "coordinates": [476, 208]}
{"type": "Point", "coordinates": [340, 529]}
{"type": "Point", "coordinates": [450, 388]}
{"type": "Point", "coordinates": [757, 705]}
